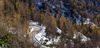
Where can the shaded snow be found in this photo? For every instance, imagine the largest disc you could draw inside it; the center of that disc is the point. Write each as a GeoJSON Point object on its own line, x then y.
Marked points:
{"type": "Point", "coordinates": [78, 20]}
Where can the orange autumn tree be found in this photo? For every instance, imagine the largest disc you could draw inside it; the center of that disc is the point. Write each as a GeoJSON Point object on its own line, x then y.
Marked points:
{"type": "Point", "coordinates": [62, 22]}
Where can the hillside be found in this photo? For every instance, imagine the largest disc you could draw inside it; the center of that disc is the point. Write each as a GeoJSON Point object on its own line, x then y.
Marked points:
{"type": "Point", "coordinates": [49, 23]}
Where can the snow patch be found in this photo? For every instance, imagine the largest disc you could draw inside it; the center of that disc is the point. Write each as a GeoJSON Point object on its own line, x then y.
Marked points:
{"type": "Point", "coordinates": [31, 28]}
{"type": "Point", "coordinates": [87, 21]}
{"type": "Point", "coordinates": [32, 22]}
{"type": "Point", "coordinates": [59, 31]}
{"type": "Point", "coordinates": [83, 38]}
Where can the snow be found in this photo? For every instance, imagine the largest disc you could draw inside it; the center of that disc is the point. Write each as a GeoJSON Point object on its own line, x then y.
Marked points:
{"type": "Point", "coordinates": [31, 28]}
{"type": "Point", "coordinates": [32, 22]}
{"type": "Point", "coordinates": [49, 42]}
{"type": "Point", "coordinates": [78, 20]}
{"type": "Point", "coordinates": [39, 4]}
{"type": "Point", "coordinates": [87, 21]}
{"type": "Point", "coordinates": [59, 31]}
{"type": "Point", "coordinates": [74, 37]}
{"type": "Point", "coordinates": [83, 38]}
{"type": "Point", "coordinates": [63, 10]}
{"type": "Point", "coordinates": [53, 7]}
{"type": "Point", "coordinates": [57, 39]}
{"type": "Point", "coordinates": [41, 36]}
{"type": "Point", "coordinates": [92, 24]}
{"type": "Point", "coordinates": [66, 9]}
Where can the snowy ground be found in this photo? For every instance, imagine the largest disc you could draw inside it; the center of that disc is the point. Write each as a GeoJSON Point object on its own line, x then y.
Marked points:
{"type": "Point", "coordinates": [40, 37]}
{"type": "Point", "coordinates": [83, 38]}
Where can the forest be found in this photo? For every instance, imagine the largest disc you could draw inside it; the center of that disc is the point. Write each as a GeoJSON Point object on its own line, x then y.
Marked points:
{"type": "Point", "coordinates": [15, 14]}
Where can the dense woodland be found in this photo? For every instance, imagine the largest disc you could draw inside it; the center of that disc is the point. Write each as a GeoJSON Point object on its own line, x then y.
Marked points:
{"type": "Point", "coordinates": [14, 14]}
